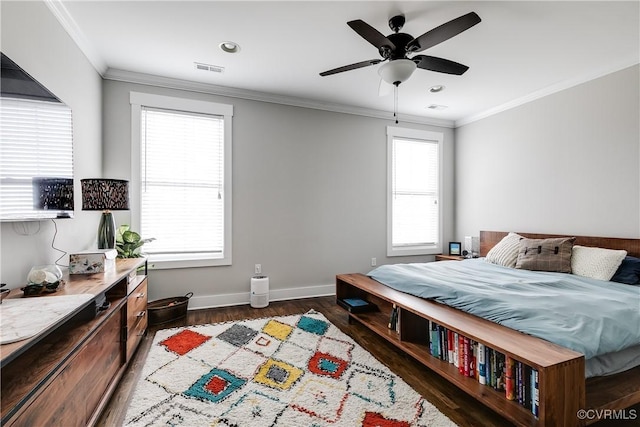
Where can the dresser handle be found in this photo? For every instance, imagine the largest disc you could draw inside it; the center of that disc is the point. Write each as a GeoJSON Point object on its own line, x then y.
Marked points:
{"type": "Point", "coordinates": [141, 314]}
{"type": "Point", "coordinates": [141, 295]}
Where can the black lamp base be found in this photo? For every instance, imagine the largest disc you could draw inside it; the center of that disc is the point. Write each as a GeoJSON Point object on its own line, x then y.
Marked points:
{"type": "Point", "coordinates": [107, 231]}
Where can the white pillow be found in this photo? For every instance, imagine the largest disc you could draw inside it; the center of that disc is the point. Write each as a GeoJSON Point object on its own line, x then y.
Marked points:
{"type": "Point", "coordinates": [506, 251]}
{"type": "Point", "coordinates": [596, 263]}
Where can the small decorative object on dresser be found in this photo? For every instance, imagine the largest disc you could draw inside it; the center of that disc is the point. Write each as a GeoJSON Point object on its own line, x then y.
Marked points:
{"type": "Point", "coordinates": [43, 279]}
{"type": "Point", "coordinates": [94, 261]}
{"type": "Point", "coordinates": [455, 248]}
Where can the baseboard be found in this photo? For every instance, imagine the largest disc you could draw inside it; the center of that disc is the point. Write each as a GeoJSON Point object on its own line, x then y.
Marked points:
{"type": "Point", "coordinates": [225, 300]}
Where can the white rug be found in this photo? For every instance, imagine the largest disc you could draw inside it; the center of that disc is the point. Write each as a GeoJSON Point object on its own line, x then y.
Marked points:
{"type": "Point", "coordinates": [292, 371]}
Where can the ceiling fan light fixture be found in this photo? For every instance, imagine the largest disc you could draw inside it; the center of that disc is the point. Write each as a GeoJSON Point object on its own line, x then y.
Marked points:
{"type": "Point", "coordinates": [397, 71]}
{"type": "Point", "coordinates": [229, 47]}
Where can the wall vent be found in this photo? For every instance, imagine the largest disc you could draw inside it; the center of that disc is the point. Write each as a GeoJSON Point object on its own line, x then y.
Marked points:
{"type": "Point", "coordinates": [209, 67]}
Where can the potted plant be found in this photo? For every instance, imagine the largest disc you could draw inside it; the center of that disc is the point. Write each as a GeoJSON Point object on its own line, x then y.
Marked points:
{"type": "Point", "coordinates": [128, 243]}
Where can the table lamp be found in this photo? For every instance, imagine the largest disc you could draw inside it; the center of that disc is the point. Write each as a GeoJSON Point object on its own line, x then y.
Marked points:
{"type": "Point", "coordinates": [106, 195]}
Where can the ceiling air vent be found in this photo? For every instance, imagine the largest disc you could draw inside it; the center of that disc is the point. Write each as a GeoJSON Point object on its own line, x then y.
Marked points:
{"type": "Point", "coordinates": [437, 107]}
{"type": "Point", "coordinates": [208, 67]}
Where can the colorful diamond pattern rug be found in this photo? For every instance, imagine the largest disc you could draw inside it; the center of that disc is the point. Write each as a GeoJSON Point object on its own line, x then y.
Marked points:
{"type": "Point", "coordinates": [294, 371]}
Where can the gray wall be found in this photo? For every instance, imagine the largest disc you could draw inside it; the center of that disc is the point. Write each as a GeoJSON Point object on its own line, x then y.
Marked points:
{"type": "Point", "coordinates": [309, 196]}
{"type": "Point", "coordinates": [568, 163]}
{"type": "Point", "coordinates": [34, 39]}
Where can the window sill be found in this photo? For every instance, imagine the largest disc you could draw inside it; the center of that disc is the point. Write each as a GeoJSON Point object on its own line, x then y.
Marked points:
{"type": "Point", "coordinates": [414, 250]}
{"type": "Point", "coordinates": [171, 261]}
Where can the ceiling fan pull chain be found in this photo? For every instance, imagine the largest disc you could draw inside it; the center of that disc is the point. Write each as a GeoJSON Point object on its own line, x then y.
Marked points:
{"type": "Point", "coordinates": [395, 102]}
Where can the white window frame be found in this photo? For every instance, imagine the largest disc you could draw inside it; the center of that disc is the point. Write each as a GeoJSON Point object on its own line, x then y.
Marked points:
{"type": "Point", "coordinates": [137, 101]}
{"type": "Point", "coordinates": [421, 135]}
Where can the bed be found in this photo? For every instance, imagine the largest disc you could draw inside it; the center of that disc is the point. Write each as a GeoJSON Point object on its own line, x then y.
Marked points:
{"type": "Point", "coordinates": [605, 350]}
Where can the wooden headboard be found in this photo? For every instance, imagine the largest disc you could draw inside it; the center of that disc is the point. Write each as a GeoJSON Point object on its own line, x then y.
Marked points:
{"type": "Point", "coordinates": [488, 239]}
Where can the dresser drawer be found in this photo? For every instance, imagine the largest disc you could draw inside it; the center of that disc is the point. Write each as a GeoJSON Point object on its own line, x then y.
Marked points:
{"type": "Point", "coordinates": [136, 317]}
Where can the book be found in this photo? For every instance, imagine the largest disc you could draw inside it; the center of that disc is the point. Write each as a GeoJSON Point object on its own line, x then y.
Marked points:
{"type": "Point", "coordinates": [473, 367]}
{"type": "Point", "coordinates": [393, 316]}
{"type": "Point", "coordinates": [443, 342]}
{"type": "Point", "coordinates": [527, 387]}
{"type": "Point", "coordinates": [356, 302]}
{"type": "Point", "coordinates": [454, 344]}
{"type": "Point", "coordinates": [509, 383]}
{"type": "Point", "coordinates": [460, 345]}
{"type": "Point", "coordinates": [535, 393]}
{"type": "Point", "coordinates": [435, 340]}
{"type": "Point", "coordinates": [467, 357]}
{"type": "Point", "coordinates": [356, 305]}
{"type": "Point", "coordinates": [500, 371]}
{"type": "Point", "coordinates": [482, 378]}
{"type": "Point", "coordinates": [487, 364]}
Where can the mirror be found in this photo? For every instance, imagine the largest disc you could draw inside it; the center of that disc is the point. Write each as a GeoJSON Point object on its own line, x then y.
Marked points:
{"type": "Point", "coordinates": [36, 149]}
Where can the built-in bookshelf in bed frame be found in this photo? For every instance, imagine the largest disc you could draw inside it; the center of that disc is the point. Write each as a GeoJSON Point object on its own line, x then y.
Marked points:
{"type": "Point", "coordinates": [562, 389]}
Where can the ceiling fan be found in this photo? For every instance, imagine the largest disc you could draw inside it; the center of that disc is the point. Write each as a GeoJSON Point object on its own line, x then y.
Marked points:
{"type": "Point", "coordinates": [397, 46]}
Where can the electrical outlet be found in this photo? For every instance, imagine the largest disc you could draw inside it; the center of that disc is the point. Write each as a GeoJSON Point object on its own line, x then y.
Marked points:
{"type": "Point", "coordinates": [258, 269]}
{"type": "Point", "coordinates": [373, 262]}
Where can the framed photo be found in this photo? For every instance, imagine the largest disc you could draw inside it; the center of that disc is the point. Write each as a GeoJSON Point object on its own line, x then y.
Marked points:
{"type": "Point", "coordinates": [455, 248]}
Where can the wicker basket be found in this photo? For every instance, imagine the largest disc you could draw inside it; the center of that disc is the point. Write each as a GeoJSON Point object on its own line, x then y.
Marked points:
{"type": "Point", "coordinates": [168, 309]}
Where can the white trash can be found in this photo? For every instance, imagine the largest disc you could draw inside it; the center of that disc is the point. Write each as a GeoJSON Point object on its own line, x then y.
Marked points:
{"type": "Point", "coordinates": [259, 291]}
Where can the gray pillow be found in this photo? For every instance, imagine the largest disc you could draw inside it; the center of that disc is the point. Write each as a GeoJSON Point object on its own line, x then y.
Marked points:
{"type": "Point", "coordinates": [546, 254]}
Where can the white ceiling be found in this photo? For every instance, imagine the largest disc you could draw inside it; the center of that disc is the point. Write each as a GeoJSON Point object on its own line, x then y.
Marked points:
{"type": "Point", "coordinates": [520, 50]}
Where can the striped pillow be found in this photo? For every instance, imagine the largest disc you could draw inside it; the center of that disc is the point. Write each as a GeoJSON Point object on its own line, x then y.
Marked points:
{"type": "Point", "coordinates": [506, 251]}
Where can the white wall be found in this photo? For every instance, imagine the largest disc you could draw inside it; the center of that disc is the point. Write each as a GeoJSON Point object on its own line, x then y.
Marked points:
{"type": "Point", "coordinates": [34, 39]}
{"type": "Point", "coordinates": [309, 196]}
{"type": "Point", "coordinates": [568, 163]}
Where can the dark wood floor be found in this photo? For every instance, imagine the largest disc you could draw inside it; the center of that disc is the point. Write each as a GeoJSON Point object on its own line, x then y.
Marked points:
{"type": "Point", "coordinates": [457, 405]}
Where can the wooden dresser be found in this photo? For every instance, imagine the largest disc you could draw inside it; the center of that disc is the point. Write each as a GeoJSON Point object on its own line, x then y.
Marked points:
{"type": "Point", "coordinates": [66, 374]}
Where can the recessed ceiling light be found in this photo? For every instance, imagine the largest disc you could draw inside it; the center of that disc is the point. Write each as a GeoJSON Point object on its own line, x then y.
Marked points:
{"type": "Point", "coordinates": [436, 88]}
{"type": "Point", "coordinates": [230, 47]}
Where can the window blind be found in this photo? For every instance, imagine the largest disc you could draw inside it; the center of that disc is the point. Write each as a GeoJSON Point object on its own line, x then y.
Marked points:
{"type": "Point", "coordinates": [36, 141]}
{"type": "Point", "coordinates": [182, 180]}
{"type": "Point", "coordinates": [414, 190]}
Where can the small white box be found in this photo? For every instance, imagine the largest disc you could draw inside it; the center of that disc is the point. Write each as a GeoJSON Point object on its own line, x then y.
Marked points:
{"type": "Point", "coordinates": [93, 261]}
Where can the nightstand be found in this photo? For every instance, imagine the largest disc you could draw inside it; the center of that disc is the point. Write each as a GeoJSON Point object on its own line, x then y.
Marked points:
{"type": "Point", "coordinates": [449, 257]}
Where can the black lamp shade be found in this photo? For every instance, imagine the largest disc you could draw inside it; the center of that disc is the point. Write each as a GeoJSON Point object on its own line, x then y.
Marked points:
{"type": "Point", "coordinates": [105, 194]}
{"type": "Point", "coordinates": [54, 194]}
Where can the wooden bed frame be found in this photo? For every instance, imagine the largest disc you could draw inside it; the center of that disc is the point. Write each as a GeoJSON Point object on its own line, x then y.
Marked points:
{"type": "Point", "coordinates": [563, 388]}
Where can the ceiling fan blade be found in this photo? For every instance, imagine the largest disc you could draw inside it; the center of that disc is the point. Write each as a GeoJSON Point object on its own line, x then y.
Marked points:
{"type": "Point", "coordinates": [351, 67]}
{"type": "Point", "coordinates": [439, 65]}
{"type": "Point", "coordinates": [443, 32]}
{"type": "Point", "coordinates": [370, 34]}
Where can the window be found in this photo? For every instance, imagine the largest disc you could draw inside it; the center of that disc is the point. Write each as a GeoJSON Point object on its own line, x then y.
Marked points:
{"type": "Point", "coordinates": [414, 208]}
{"type": "Point", "coordinates": [181, 179]}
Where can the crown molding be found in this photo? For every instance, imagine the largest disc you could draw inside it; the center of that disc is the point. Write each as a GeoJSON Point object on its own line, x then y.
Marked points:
{"type": "Point", "coordinates": [71, 27]}
{"type": "Point", "coordinates": [549, 90]}
{"type": "Point", "coordinates": [171, 83]}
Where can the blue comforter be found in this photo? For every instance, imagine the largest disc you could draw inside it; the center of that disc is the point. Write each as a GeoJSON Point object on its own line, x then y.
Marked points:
{"type": "Point", "coordinates": [592, 317]}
